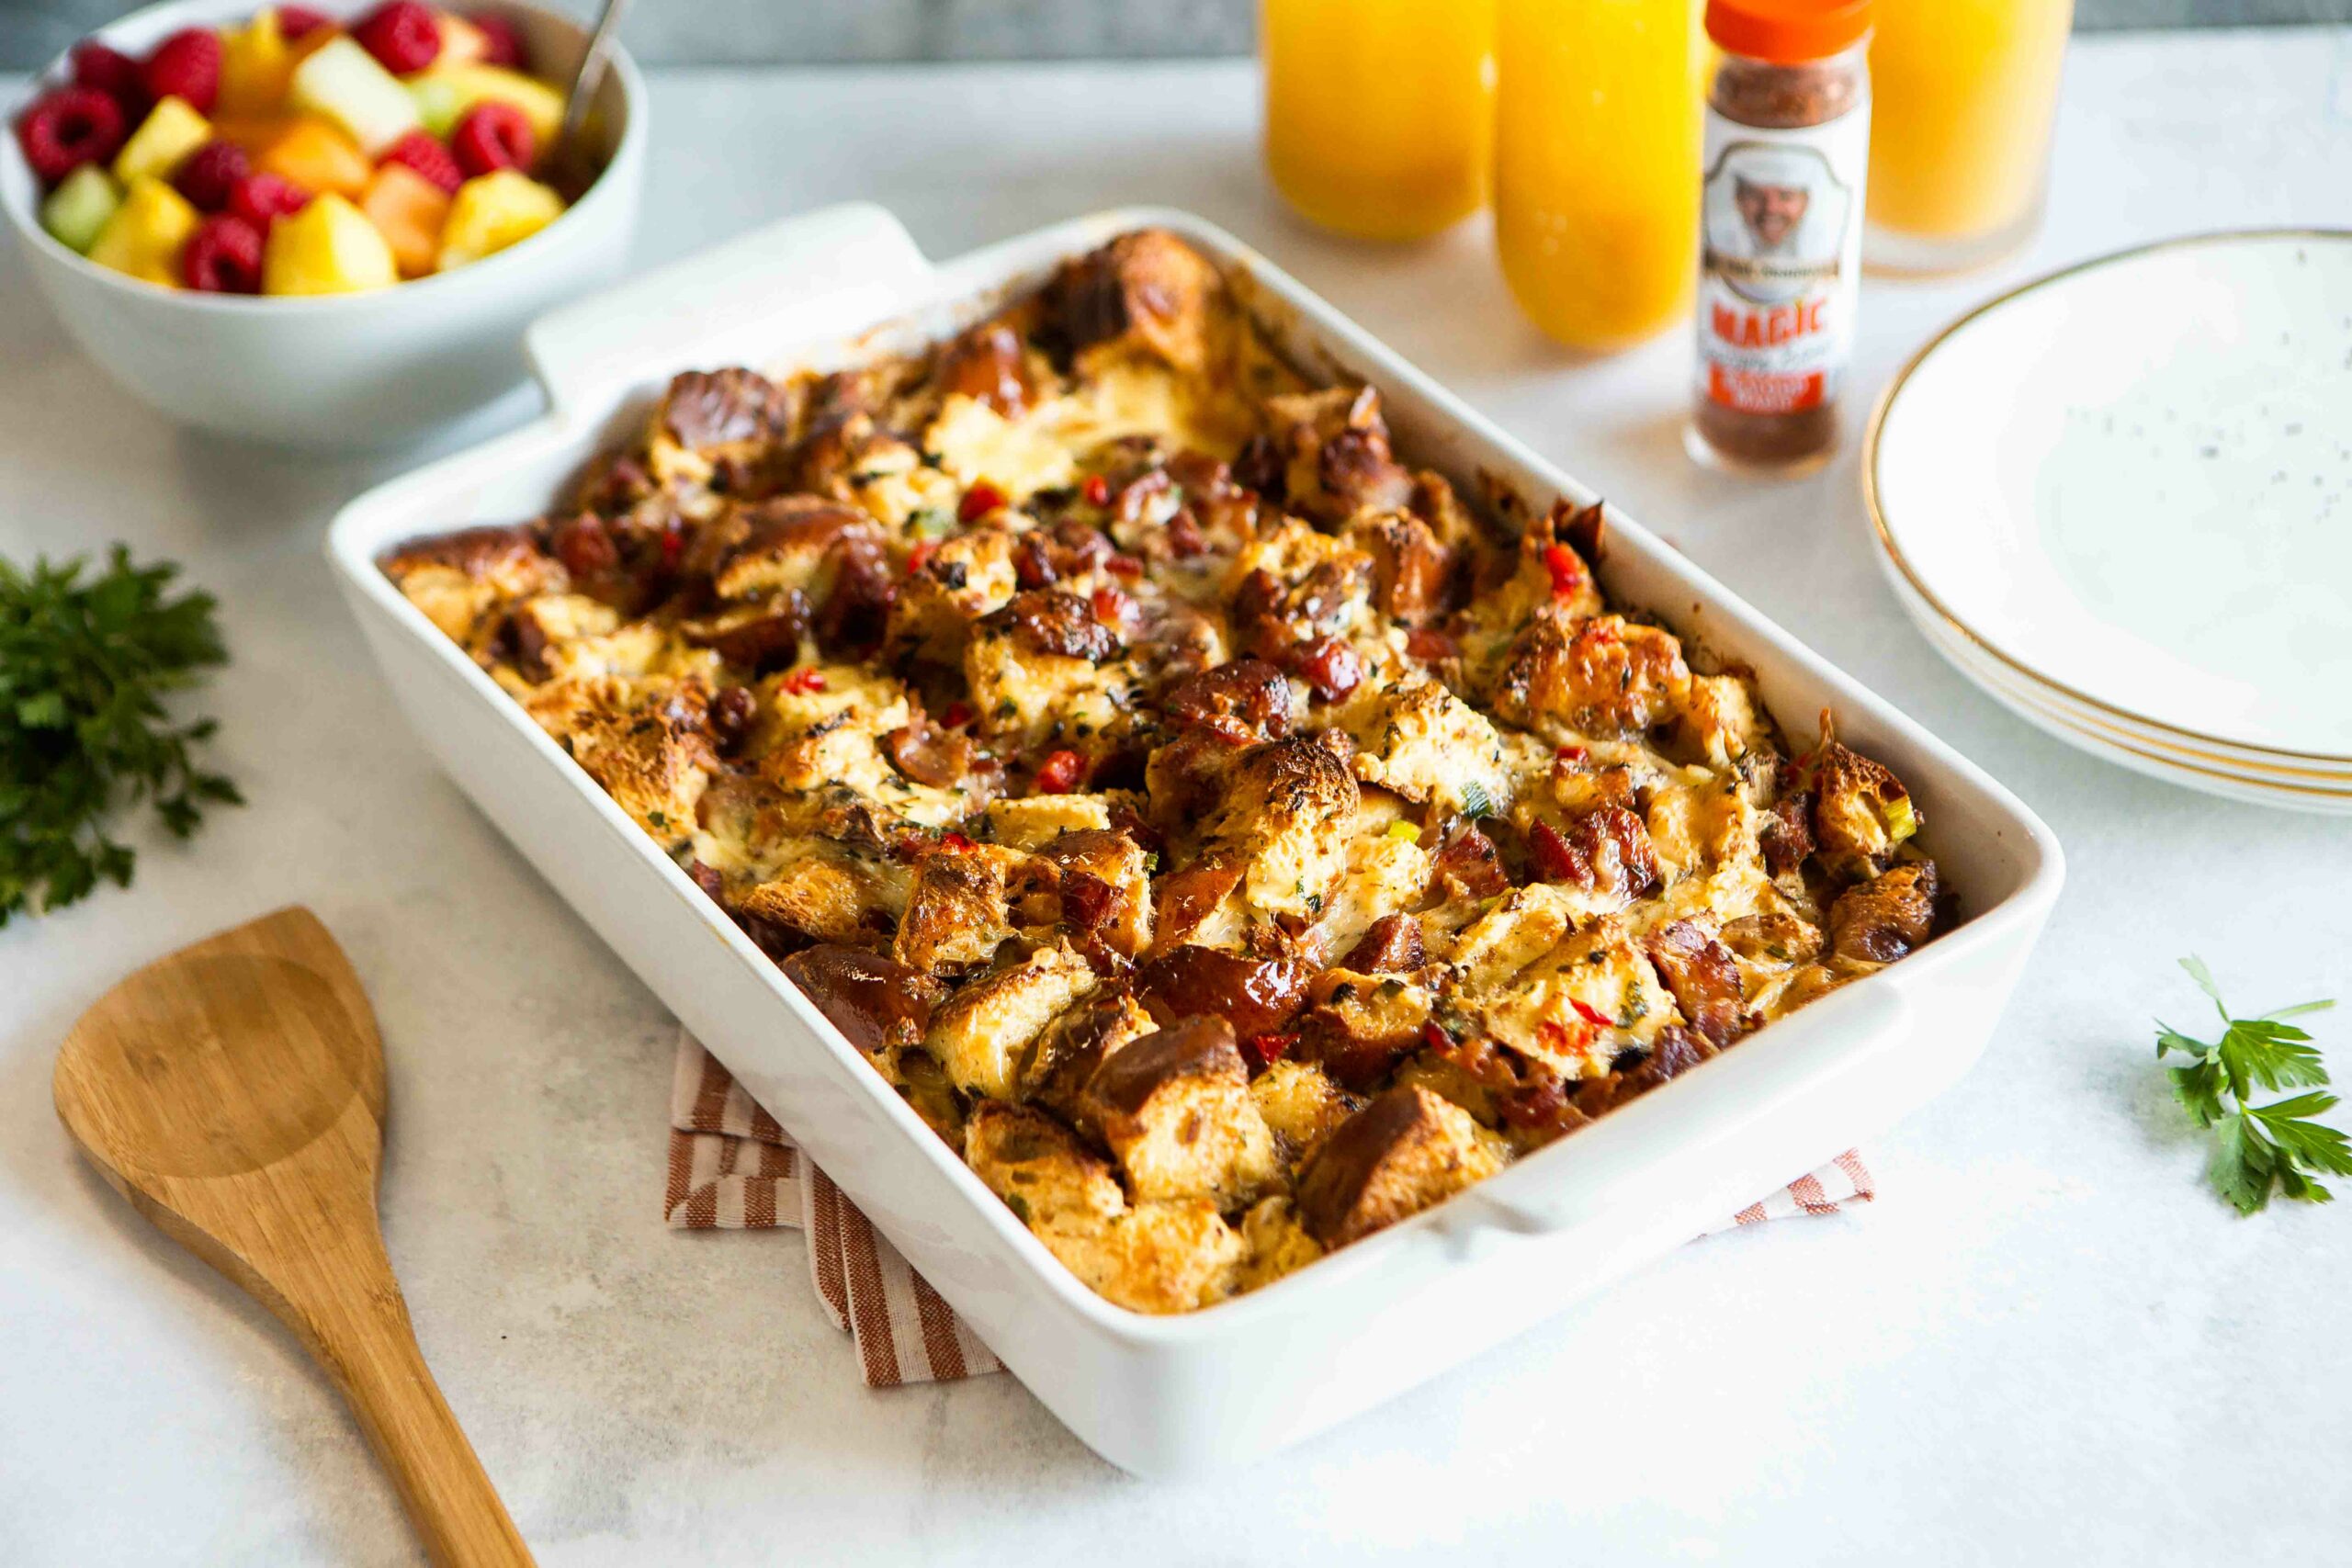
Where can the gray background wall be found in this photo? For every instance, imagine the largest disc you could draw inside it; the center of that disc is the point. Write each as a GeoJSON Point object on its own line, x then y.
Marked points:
{"type": "Point", "coordinates": [701, 32]}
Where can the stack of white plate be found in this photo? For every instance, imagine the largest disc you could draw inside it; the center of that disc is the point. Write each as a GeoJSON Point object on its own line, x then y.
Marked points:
{"type": "Point", "coordinates": [2120, 500]}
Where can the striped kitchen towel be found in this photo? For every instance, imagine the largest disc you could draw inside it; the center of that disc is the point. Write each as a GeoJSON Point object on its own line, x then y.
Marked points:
{"type": "Point", "coordinates": [732, 1167]}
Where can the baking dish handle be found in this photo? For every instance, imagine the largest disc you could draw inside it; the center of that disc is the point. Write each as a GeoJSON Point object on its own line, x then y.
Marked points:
{"type": "Point", "coordinates": [1619, 1159]}
{"type": "Point", "coordinates": [837, 255]}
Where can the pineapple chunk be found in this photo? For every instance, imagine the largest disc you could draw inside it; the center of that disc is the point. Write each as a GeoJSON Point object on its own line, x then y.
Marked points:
{"type": "Point", "coordinates": [256, 65]}
{"type": "Point", "coordinates": [169, 133]}
{"type": "Point", "coordinates": [329, 247]}
{"type": "Point", "coordinates": [317, 157]}
{"type": "Point", "coordinates": [77, 210]}
{"type": "Point", "coordinates": [444, 92]}
{"type": "Point", "coordinates": [144, 236]}
{"type": "Point", "coordinates": [492, 211]}
{"type": "Point", "coordinates": [408, 210]}
{"type": "Point", "coordinates": [462, 43]}
{"type": "Point", "coordinates": [344, 82]}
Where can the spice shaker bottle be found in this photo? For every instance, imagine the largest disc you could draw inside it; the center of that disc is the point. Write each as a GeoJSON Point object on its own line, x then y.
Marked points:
{"type": "Point", "coordinates": [1780, 229]}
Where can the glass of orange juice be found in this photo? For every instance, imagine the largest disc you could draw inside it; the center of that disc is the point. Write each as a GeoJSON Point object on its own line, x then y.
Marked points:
{"type": "Point", "coordinates": [1379, 113]}
{"type": "Point", "coordinates": [1597, 144]}
{"type": "Point", "coordinates": [1959, 135]}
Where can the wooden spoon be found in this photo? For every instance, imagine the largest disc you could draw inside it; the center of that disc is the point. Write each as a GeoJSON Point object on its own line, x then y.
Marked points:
{"type": "Point", "coordinates": [234, 1093]}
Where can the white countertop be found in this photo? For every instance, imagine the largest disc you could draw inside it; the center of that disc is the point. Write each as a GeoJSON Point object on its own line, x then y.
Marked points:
{"type": "Point", "coordinates": [2046, 1342]}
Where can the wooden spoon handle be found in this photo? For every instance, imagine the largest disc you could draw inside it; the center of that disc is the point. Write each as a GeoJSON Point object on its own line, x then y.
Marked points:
{"type": "Point", "coordinates": [370, 1350]}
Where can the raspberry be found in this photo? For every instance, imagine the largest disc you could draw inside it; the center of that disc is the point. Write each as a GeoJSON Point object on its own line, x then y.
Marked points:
{"type": "Point", "coordinates": [209, 173]}
{"type": "Point", "coordinates": [490, 137]}
{"type": "Point", "coordinates": [69, 128]}
{"type": "Point", "coordinates": [186, 65]}
{"type": "Point", "coordinates": [401, 34]}
{"type": "Point", "coordinates": [262, 199]}
{"type": "Point", "coordinates": [421, 151]}
{"type": "Point", "coordinates": [223, 256]}
{"type": "Point", "coordinates": [296, 21]}
{"type": "Point", "coordinates": [113, 73]}
{"type": "Point", "coordinates": [502, 45]}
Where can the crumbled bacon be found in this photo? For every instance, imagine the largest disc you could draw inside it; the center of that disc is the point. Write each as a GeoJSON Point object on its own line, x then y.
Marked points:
{"type": "Point", "coordinates": [1330, 667]}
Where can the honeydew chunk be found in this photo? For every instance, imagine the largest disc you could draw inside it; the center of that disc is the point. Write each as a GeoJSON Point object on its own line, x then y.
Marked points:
{"type": "Point", "coordinates": [329, 247]}
{"type": "Point", "coordinates": [77, 210]}
{"type": "Point", "coordinates": [344, 82]}
{"type": "Point", "coordinates": [169, 133]}
{"type": "Point", "coordinates": [444, 92]}
{"type": "Point", "coordinates": [492, 211]}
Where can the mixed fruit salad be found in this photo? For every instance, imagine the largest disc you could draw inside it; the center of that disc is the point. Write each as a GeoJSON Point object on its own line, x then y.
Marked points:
{"type": "Point", "coordinates": [296, 155]}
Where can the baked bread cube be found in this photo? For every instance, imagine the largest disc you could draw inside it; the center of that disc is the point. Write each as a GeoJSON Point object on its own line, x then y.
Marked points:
{"type": "Point", "coordinates": [1405, 1151]}
{"type": "Point", "coordinates": [982, 1034]}
{"type": "Point", "coordinates": [1176, 1109]}
{"type": "Point", "coordinates": [1158, 1258]}
{"type": "Point", "coordinates": [1039, 1166]}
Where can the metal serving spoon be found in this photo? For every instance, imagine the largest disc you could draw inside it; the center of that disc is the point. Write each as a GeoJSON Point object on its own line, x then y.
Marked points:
{"type": "Point", "coordinates": [572, 164]}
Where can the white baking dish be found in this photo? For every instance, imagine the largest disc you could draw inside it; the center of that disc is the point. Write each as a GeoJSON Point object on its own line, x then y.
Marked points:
{"type": "Point", "coordinates": [1162, 1394]}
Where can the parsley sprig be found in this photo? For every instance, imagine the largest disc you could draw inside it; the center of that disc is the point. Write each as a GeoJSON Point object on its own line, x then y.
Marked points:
{"type": "Point", "coordinates": [2258, 1149]}
{"type": "Point", "coordinates": [84, 667]}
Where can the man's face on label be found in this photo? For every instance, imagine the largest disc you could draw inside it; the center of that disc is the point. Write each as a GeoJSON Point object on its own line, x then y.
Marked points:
{"type": "Point", "coordinates": [1770, 213]}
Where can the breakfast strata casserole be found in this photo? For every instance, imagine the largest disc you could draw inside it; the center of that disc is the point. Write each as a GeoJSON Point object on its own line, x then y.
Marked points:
{"type": "Point", "coordinates": [1229, 838]}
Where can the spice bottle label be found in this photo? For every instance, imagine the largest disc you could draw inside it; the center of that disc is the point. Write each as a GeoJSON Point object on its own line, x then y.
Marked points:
{"type": "Point", "coordinates": [1781, 219]}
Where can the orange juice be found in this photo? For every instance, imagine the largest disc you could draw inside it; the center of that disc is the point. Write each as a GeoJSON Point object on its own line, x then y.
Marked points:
{"type": "Point", "coordinates": [1379, 112]}
{"type": "Point", "coordinates": [1597, 130]}
{"type": "Point", "coordinates": [1966, 90]}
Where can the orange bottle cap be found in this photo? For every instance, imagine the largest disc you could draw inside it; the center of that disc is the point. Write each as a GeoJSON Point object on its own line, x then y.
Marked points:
{"type": "Point", "coordinates": [1788, 33]}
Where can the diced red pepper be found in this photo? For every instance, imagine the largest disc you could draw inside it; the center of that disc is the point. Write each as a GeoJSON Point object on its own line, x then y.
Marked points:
{"type": "Point", "coordinates": [1109, 606]}
{"type": "Point", "coordinates": [957, 715]}
{"type": "Point", "coordinates": [956, 841]}
{"type": "Point", "coordinates": [1124, 566]}
{"type": "Point", "coordinates": [1568, 572]}
{"type": "Point", "coordinates": [978, 502]}
{"type": "Point", "coordinates": [1098, 490]}
{"type": "Point", "coordinates": [674, 544]}
{"type": "Point", "coordinates": [1435, 1038]}
{"type": "Point", "coordinates": [920, 556]}
{"type": "Point", "coordinates": [1270, 1048]}
{"type": "Point", "coordinates": [1589, 1013]}
{"type": "Point", "coordinates": [802, 681]}
{"type": "Point", "coordinates": [1060, 773]}
{"type": "Point", "coordinates": [1570, 754]}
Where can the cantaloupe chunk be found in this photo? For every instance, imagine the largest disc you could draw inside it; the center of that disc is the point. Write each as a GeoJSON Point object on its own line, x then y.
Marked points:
{"type": "Point", "coordinates": [318, 157]}
{"type": "Point", "coordinates": [329, 247]}
{"type": "Point", "coordinates": [169, 133]}
{"type": "Point", "coordinates": [492, 211]}
{"type": "Point", "coordinates": [256, 65]}
{"type": "Point", "coordinates": [408, 210]}
{"type": "Point", "coordinates": [144, 236]}
{"type": "Point", "coordinates": [251, 132]}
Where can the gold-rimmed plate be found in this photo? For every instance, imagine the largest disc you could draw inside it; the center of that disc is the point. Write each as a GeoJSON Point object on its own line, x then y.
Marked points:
{"type": "Point", "coordinates": [2128, 486]}
{"type": "Point", "coordinates": [2088, 731]}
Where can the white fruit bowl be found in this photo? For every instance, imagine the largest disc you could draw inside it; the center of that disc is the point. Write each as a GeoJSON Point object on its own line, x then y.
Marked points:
{"type": "Point", "coordinates": [347, 370]}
